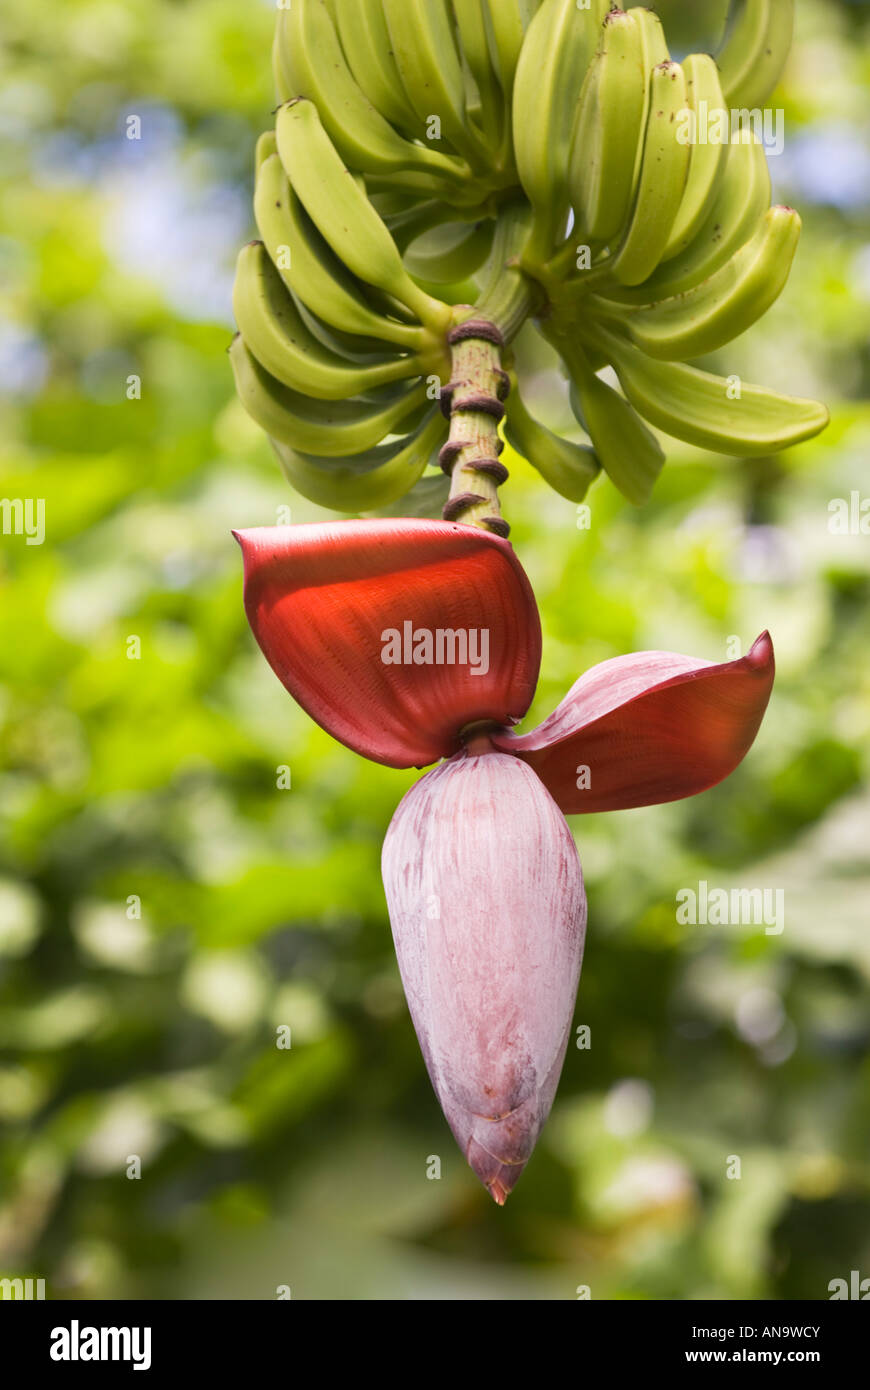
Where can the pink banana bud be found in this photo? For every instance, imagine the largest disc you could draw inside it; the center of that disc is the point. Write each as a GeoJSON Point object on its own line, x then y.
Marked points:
{"type": "Point", "coordinates": [482, 878]}
{"type": "Point", "coordinates": [486, 901]}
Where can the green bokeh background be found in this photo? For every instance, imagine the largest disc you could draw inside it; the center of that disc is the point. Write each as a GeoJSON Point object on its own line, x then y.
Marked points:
{"type": "Point", "coordinates": [152, 782]}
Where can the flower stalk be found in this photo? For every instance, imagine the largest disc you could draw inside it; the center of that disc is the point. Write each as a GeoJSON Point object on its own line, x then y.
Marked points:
{"type": "Point", "coordinates": [473, 401]}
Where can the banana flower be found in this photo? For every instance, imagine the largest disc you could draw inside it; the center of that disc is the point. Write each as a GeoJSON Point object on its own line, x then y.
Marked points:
{"type": "Point", "coordinates": [414, 641]}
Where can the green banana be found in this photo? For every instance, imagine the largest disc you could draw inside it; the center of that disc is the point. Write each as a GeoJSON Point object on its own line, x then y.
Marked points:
{"type": "Point", "coordinates": [425, 499]}
{"type": "Point", "coordinates": [506, 24]}
{"type": "Point", "coordinates": [266, 145]}
{"type": "Point", "coordinates": [655, 46]}
{"type": "Point", "coordinates": [707, 158]}
{"type": "Point", "coordinates": [370, 479]}
{"type": "Point", "coordinates": [350, 346]}
{"type": "Point", "coordinates": [655, 51]}
{"type": "Point", "coordinates": [368, 50]}
{"type": "Point", "coordinates": [313, 61]}
{"type": "Point", "coordinates": [329, 428]}
{"type": "Point", "coordinates": [407, 224]}
{"type": "Point", "coordinates": [755, 49]}
{"type": "Point", "coordinates": [472, 31]}
{"type": "Point", "coordinates": [342, 212]}
{"type": "Point", "coordinates": [450, 253]}
{"type": "Point", "coordinates": [428, 61]}
{"type": "Point", "coordinates": [556, 52]}
{"type": "Point", "coordinates": [610, 124]}
{"type": "Point", "coordinates": [567, 467]}
{"type": "Point", "coordinates": [628, 452]}
{"type": "Point", "coordinates": [280, 75]}
{"type": "Point", "coordinates": [663, 174]}
{"type": "Point", "coordinates": [742, 199]}
{"type": "Point", "coordinates": [507, 295]}
{"type": "Point", "coordinates": [721, 308]}
{"type": "Point", "coordinates": [722, 414]}
{"type": "Point", "coordinates": [277, 336]}
{"type": "Point", "coordinates": [464, 198]}
{"type": "Point", "coordinates": [310, 269]}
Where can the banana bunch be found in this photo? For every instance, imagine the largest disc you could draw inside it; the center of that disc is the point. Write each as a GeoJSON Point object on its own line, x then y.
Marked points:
{"type": "Point", "coordinates": [336, 340]}
{"type": "Point", "coordinates": [415, 94]}
{"type": "Point", "coordinates": [536, 161]}
{"type": "Point", "coordinates": [670, 249]}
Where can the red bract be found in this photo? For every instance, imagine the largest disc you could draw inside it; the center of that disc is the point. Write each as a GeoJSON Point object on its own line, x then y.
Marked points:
{"type": "Point", "coordinates": [320, 598]}
{"type": "Point", "coordinates": [650, 727]}
{"type": "Point", "coordinates": [379, 630]}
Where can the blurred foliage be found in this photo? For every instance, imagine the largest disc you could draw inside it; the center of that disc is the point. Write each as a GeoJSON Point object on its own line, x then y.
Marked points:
{"type": "Point", "coordinates": [165, 906]}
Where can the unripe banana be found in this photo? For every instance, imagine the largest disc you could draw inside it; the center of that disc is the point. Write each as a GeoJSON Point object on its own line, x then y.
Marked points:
{"type": "Point", "coordinates": [350, 346]}
{"type": "Point", "coordinates": [655, 46]}
{"type": "Point", "coordinates": [755, 49]}
{"type": "Point", "coordinates": [556, 52]}
{"type": "Point", "coordinates": [408, 221]}
{"type": "Point", "coordinates": [370, 479]}
{"type": "Point", "coordinates": [277, 336]}
{"type": "Point", "coordinates": [628, 452]}
{"type": "Point", "coordinates": [266, 145]}
{"type": "Point", "coordinates": [343, 213]}
{"type": "Point", "coordinates": [662, 179]}
{"type": "Point", "coordinates": [332, 429]}
{"type": "Point", "coordinates": [707, 157]}
{"type": "Point", "coordinates": [721, 308]}
{"type": "Point", "coordinates": [722, 414]}
{"type": "Point", "coordinates": [429, 64]}
{"type": "Point", "coordinates": [507, 296]}
{"type": "Point", "coordinates": [368, 49]}
{"type": "Point", "coordinates": [610, 125]}
{"type": "Point", "coordinates": [310, 56]}
{"type": "Point", "coordinates": [655, 51]}
{"type": "Point", "coordinates": [425, 499]}
{"type": "Point", "coordinates": [506, 24]}
{"type": "Point", "coordinates": [451, 254]}
{"type": "Point", "coordinates": [741, 201]}
{"type": "Point", "coordinates": [567, 467]}
{"type": "Point", "coordinates": [472, 32]}
{"type": "Point", "coordinates": [310, 269]}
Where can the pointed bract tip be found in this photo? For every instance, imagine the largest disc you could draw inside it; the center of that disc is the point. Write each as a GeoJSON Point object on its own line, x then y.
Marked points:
{"type": "Point", "coordinates": [241, 538]}
{"type": "Point", "coordinates": [760, 654]}
{"type": "Point", "coordinates": [500, 1175]}
{"type": "Point", "coordinates": [247, 540]}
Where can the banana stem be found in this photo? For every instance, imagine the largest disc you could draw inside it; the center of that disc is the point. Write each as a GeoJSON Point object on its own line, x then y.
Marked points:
{"type": "Point", "coordinates": [473, 400]}
{"type": "Point", "coordinates": [508, 296]}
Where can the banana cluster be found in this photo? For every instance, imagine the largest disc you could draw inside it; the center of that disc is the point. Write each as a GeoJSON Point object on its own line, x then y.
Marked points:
{"type": "Point", "coordinates": [336, 340]}
{"type": "Point", "coordinates": [674, 249]}
{"type": "Point", "coordinates": [537, 160]}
